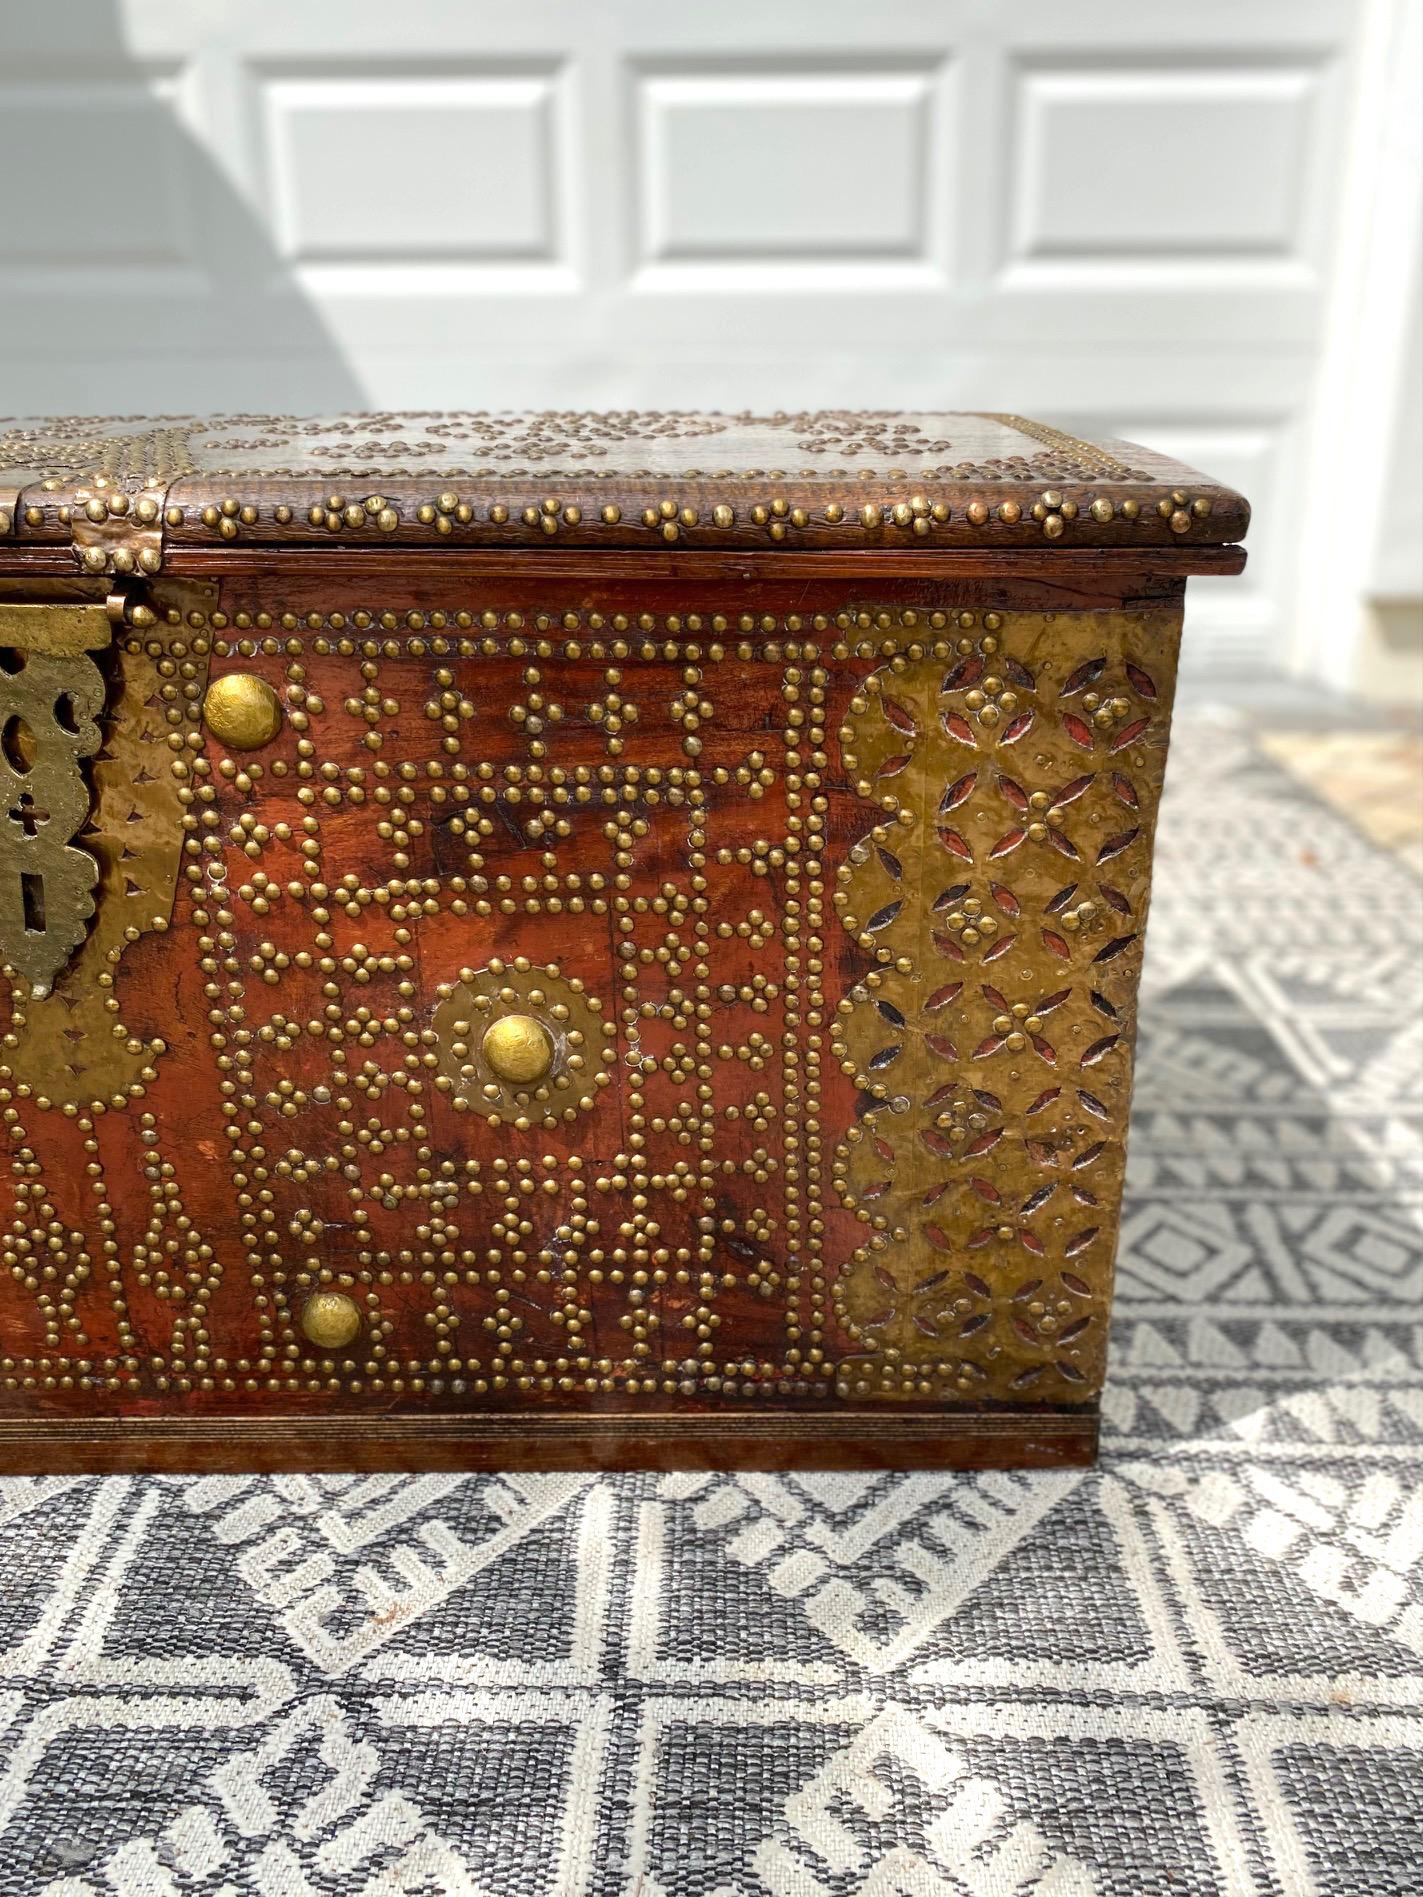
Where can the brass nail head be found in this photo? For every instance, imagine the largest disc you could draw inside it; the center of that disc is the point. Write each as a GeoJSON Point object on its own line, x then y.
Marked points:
{"type": "Point", "coordinates": [242, 711]}
{"type": "Point", "coordinates": [518, 1049]}
{"type": "Point", "coordinates": [331, 1320]}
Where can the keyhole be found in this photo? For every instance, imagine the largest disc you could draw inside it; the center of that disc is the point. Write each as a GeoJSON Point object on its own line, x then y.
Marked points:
{"type": "Point", "coordinates": [28, 815]}
{"type": "Point", "coordinates": [17, 742]}
{"type": "Point", "coordinates": [32, 902]}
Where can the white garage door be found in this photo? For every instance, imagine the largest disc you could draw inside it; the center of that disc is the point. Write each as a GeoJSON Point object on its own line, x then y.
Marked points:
{"type": "Point", "coordinates": [1119, 216]}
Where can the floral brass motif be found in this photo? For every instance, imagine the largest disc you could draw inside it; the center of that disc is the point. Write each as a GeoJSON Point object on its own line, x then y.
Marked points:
{"type": "Point", "coordinates": [1002, 897]}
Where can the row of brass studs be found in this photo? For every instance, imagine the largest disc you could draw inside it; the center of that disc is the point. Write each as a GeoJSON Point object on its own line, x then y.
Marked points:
{"type": "Point", "coordinates": [670, 518]}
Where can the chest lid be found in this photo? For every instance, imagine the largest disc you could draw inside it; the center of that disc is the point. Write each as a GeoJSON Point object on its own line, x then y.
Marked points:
{"type": "Point", "coordinates": [118, 491]}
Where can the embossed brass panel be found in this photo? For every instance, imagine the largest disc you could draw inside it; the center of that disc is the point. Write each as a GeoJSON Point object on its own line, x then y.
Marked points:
{"type": "Point", "coordinates": [61, 629]}
{"type": "Point", "coordinates": [1000, 898]}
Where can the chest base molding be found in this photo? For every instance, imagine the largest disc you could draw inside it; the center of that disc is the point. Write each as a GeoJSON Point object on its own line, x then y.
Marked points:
{"type": "Point", "coordinates": [1032, 1436]}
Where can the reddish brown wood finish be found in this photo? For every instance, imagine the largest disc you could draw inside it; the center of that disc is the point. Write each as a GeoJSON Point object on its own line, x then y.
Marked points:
{"type": "Point", "coordinates": [1040, 1438]}
{"type": "Point", "coordinates": [158, 1252]}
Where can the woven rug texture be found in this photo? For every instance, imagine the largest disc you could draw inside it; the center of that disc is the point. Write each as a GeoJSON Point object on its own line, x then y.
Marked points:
{"type": "Point", "coordinates": [1193, 1670]}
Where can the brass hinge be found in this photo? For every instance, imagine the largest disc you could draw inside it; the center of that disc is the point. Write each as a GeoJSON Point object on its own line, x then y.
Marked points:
{"type": "Point", "coordinates": [111, 531]}
{"type": "Point", "coordinates": [116, 533]}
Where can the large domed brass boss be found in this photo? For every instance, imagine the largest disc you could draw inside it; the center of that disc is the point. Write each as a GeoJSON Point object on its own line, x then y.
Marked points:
{"type": "Point", "coordinates": [242, 711]}
{"type": "Point", "coordinates": [331, 1320]}
{"type": "Point", "coordinates": [518, 1049]}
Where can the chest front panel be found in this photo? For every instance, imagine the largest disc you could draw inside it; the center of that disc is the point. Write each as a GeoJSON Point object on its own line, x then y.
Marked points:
{"type": "Point", "coordinates": [821, 932]}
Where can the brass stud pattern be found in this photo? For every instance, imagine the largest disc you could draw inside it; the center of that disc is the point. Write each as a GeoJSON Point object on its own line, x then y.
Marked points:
{"type": "Point", "coordinates": [344, 1179]}
{"type": "Point", "coordinates": [110, 494]}
{"type": "Point", "coordinates": [521, 1045]}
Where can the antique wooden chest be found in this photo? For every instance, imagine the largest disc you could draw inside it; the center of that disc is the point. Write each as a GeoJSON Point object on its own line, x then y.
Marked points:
{"type": "Point", "coordinates": [573, 939]}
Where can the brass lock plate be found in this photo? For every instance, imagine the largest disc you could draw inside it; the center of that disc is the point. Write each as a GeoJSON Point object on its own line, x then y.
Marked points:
{"type": "Point", "coordinates": [51, 699]}
{"type": "Point", "coordinates": [57, 705]}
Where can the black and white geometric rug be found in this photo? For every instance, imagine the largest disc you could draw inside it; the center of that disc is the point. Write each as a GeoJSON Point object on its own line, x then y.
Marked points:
{"type": "Point", "coordinates": [1195, 1670]}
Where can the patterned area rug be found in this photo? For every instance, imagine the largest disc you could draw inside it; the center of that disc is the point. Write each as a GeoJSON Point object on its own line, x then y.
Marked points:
{"type": "Point", "coordinates": [1195, 1670]}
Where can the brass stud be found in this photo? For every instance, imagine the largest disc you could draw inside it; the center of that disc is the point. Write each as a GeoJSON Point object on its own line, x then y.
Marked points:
{"type": "Point", "coordinates": [517, 1048]}
{"type": "Point", "coordinates": [331, 1320]}
{"type": "Point", "coordinates": [242, 711]}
